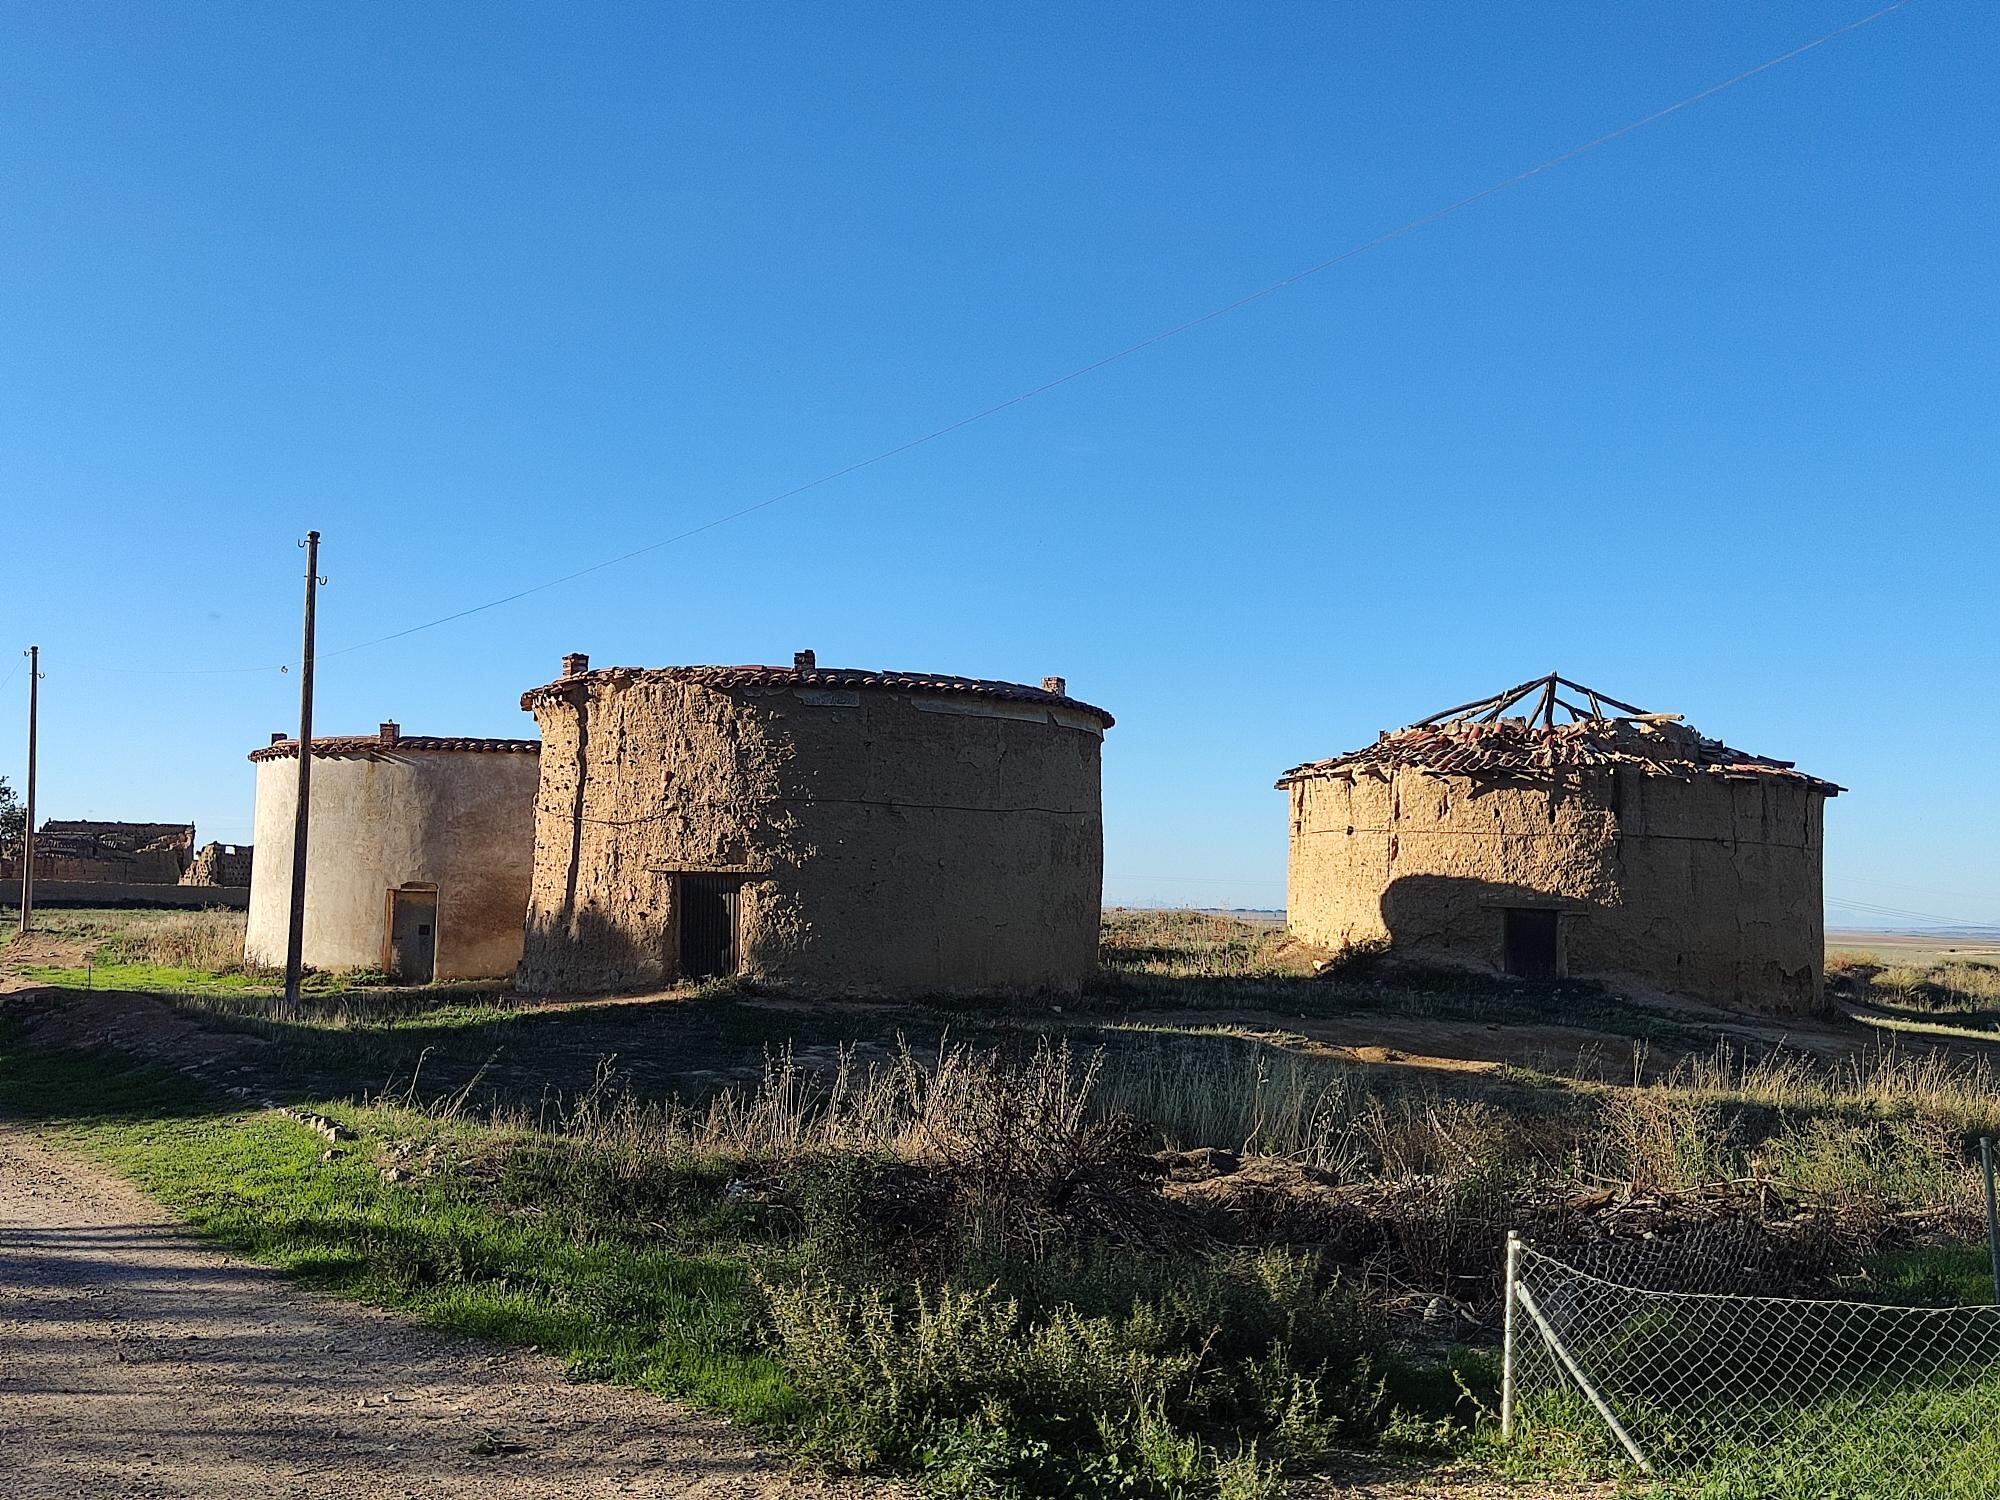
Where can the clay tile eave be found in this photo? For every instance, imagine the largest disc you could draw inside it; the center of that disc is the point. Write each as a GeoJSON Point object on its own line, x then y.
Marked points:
{"type": "Point", "coordinates": [752, 675]}
{"type": "Point", "coordinates": [340, 745]}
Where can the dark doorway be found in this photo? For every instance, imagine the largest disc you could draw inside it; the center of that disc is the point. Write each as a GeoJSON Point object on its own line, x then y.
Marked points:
{"type": "Point", "coordinates": [707, 914]}
{"type": "Point", "coordinates": [413, 934]}
{"type": "Point", "coordinates": [1528, 940]}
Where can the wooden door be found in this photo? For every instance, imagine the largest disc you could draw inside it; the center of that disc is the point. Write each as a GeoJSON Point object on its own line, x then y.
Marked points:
{"type": "Point", "coordinates": [1528, 938]}
{"type": "Point", "coordinates": [707, 916]}
{"type": "Point", "coordinates": [413, 935]}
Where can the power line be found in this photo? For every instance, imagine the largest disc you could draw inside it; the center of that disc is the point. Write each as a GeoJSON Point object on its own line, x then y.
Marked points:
{"type": "Point", "coordinates": [1870, 908]}
{"type": "Point", "coordinates": [1423, 221]}
{"type": "Point", "coordinates": [1917, 890]}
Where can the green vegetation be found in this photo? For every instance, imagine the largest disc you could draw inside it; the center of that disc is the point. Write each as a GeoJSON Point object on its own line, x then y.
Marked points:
{"type": "Point", "coordinates": [627, 1242]}
{"type": "Point", "coordinates": [1154, 1243]}
{"type": "Point", "coordinates": [13, 816]}
{"type": "Point", "coordinates": [1948, 1275]}
{"type": "Point", "coordinates": [1924, 1443]}
{"type": "Point", "coordinates": [155, 978]}
{"type": "Point", "coordinates": [1964, 992]}
{"type": "Point", "coordinates": [523, 1258]}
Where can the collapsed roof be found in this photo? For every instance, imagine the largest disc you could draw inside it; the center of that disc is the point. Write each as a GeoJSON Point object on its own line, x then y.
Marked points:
{"type": "Point", "coordinates": [1482, 740]}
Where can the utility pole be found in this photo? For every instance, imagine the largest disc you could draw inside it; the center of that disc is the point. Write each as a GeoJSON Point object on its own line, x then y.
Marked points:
{"type": "Point", "coordinates": [295, 932]}
{"type": "Point", "coordinates": [28, 829]}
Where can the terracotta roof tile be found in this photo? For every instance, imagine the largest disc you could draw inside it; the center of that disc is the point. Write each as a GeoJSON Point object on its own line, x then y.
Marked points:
{"type": "Point", "coordinates": [786, 678]}
{"type": "Point", "coordinates": [373, 744]}
{"type": "Point", "coordinates": [1507, 749]}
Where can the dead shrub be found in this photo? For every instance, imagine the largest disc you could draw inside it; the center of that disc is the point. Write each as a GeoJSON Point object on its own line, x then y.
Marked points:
{"type": "Point", "coordinates": [1871, 1171]}
{"type": "Point", "coordinates": [1019, 1141]}
{"type": "Point", "coordinates": [1662, 1138]}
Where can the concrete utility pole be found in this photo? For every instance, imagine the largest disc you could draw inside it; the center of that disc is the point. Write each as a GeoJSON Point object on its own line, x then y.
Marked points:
{"type": "Point", "coordinates": [28, 830]}
{"type": "Point", "coordinates": [295, 931]}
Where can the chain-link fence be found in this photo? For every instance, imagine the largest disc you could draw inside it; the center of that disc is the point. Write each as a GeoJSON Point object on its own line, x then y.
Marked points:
{"type": "Point", "coordinates": [1730, 1395]}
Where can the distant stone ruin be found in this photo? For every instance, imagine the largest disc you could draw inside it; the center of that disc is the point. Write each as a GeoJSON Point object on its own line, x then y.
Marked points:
{"type": "Point", "coordinates": [114, 853]}
{"type": "Point", "coordinates": [219, 864]}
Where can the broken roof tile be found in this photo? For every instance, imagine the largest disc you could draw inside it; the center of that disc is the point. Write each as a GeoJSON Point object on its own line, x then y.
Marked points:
{"type": "Point", "coordinates": [1512, 748]}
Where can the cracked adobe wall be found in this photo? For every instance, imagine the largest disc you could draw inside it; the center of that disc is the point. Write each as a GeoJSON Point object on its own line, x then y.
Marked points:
{"type": "Point", "coordinates": [1706, 886]}
{"type": "Point", "coordinates": [886, 839]}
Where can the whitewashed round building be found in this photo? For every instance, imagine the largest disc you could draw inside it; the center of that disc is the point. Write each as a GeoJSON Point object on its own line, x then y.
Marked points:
{"type": "Point", "coordinates": [418, 856]}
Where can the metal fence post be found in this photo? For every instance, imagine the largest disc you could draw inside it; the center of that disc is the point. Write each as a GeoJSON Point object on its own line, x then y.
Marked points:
{"type": "Point", "coordinates": [1507, 1337]}
{"type": "Point", "coordinates": [1583, 1383]}
{"type": "Point", "coordinates": [1992, 1214]}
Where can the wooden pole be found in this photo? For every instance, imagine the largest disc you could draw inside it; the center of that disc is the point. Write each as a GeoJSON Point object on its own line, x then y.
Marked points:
{"type": "Point", "coordinates": [295, 930]}
{"type": "Point", "coordinates": [1596, 696]}
{"type": "Point", "coordinates": [1545, 708]}
{"type": "Point", "coordinates": [28, 829]}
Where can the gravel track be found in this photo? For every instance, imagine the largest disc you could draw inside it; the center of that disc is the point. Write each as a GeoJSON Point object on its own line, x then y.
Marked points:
{"type": "Point", "coordinates": [134, 1362]}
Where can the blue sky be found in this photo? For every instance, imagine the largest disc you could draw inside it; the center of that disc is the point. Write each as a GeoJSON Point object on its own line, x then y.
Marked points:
{"type": "Point", "coordinates": [487, 293]}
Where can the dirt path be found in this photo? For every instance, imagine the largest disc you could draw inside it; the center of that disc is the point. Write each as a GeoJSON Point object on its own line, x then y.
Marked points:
{"type": "Point", "coordinates": [37, 949]}
{"type": "Point", "coordinates": [136, 1363]}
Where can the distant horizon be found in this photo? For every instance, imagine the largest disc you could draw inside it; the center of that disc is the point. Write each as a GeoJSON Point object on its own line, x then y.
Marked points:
{"type": "Point", "coordinates": [1832, 929]}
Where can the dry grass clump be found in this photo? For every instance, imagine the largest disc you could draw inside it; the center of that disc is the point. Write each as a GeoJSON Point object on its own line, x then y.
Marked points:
{"type": "Point", "coordinates": [209, 941]}
{"type": "Point", "coordinates": [975, 1145]}
{"type": "Point", "coordinates": [1945, 986]}
{"type": "Point", "coordinates": [1658, 1139]}
{"type": "Point", "coordinates": [1137, 946]}
{"type": "Point", "coordinates": [1235, 1093]}
{"type": "Point", "coordinates": [984, 1283]}
{"type": "Point", "coordinates": [1039, 1148]}
{"type": "Point", "coordinates": [1948, 986]}
{"type": "Point", "coordinates": [1963, 1092]}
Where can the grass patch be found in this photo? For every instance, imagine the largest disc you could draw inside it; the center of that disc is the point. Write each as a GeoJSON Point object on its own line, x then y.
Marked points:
{"type": "Point", "coordinates": [891, 1273]}
{"type": "Point", "coordinates": [937, 1237]}
{"type": "Point", "coordinates": [1153, 960]}
{"type": "Point", "coordinates": [149, 977]}
{"type": "Point", "coordinates": [677, 1318]}
{"type": "Point", "coordinates": [1957, 1275]}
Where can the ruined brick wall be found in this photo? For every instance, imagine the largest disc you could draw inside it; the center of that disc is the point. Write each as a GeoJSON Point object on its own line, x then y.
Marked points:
{"type": "Point", "coordinates": [1706, 886]}
{"type": "Point", "coordinates": [220, 864]}
{"type": "Point", "coordinates": [885, 839]}
{"type": "Point", "coordinates": [126, 853]}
